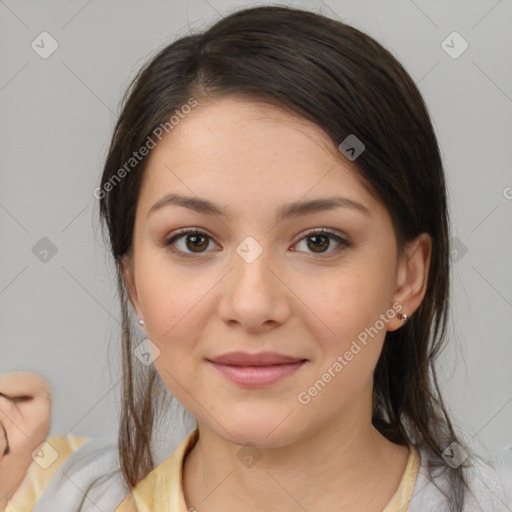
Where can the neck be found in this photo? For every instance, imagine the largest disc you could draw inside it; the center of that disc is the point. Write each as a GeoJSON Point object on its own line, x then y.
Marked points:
{"type": "Point", "coordinates": [340, 466]}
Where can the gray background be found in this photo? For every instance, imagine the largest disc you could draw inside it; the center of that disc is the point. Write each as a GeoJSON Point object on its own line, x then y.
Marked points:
{"type": "Point", "coordinates": [60, 316]}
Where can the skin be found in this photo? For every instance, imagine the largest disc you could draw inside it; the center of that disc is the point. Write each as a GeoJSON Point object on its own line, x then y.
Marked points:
{"type": "Point", "coordinates": [251, 158]}
{"type": "Point", "coordinates": [25, 414]}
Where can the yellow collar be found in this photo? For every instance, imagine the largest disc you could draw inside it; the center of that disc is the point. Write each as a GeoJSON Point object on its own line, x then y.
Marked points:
{"type": "Point", "coordinates": [162, 489]}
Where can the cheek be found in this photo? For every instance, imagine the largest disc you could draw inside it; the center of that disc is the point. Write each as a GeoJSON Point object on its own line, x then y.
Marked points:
{"type": "Point", "coordinates": [172, 308]}
{"type": "Point", "coordinates": [347, 325]}
{"type": "Point", "coordinates": [168, 295]}
{"type": "Point", "coordinates": [177, 305]}
{"type": "Point", "coordinates": [346, 303]}
{"type": "Point", "coordinates": [349, 344]}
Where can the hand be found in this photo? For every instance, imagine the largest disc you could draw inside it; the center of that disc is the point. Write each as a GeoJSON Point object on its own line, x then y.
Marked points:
{"type": "Point", "coordinates": [25, 418]}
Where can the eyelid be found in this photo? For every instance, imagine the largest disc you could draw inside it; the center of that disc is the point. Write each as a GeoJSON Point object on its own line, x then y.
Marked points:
{"type": "Point", "coordinates": [322, 230]}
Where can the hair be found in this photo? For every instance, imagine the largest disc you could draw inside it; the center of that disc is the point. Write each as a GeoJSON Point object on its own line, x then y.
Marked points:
{"type": "Point", "coordinates": [345, 82]}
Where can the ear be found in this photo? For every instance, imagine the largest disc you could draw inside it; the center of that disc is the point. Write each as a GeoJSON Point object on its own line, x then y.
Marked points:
{"type": "Point", "coordinates": [411, 277]}
{"type": "Point", "coordinates": [129, 279]}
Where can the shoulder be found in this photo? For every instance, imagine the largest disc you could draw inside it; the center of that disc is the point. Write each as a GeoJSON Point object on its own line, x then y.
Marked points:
{"type": "Point", "coordinates": [162, 489]}
{"type": "Point", "coordinates": [86, 477]}
{"type": "Point", "coordinates": [489, 487]}
{"type": "Point", "coordinates": [89, 479]}
{"type": "Point", "coordinates": [74, 474]}
{"type": "Point", "coordinates": [47, 461]}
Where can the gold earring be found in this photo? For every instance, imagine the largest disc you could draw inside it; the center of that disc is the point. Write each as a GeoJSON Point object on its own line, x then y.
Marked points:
{"type": "Point", "coordinates": [403, 317]}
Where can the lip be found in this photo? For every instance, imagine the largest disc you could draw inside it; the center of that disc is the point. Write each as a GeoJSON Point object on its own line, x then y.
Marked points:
{"type": "Point", "coordinates": [256, 370]}
{"type": "Point", "coordinates": [259, 359]}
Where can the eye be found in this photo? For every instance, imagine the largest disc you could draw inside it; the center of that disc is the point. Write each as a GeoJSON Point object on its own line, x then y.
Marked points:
{"type": "Point", "coordinates": [321, 241]}
{"type": "Point", "coordinates": [195, 240]}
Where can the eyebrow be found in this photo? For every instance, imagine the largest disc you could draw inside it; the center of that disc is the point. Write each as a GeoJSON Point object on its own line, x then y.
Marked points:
{"type": "Point", "coordinates": [294, 209]}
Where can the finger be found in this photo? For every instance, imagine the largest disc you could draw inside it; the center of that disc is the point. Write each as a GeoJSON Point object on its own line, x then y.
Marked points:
{"type": "Point", "coordinates": [13, 430]}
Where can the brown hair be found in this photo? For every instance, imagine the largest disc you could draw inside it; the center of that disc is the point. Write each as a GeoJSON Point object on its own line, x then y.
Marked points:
{"type": "Point", "coordinates": [344, 81]}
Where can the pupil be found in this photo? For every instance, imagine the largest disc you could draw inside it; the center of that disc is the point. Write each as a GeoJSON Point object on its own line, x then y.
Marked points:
{"type": "Point", "coordinates": [194, 239]}
{"type": "Point", "coordinates": [317, 237]}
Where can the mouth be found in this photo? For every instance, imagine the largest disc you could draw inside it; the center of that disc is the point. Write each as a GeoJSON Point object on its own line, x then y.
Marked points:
{"type": "Point", "coordinates": [256, 370]}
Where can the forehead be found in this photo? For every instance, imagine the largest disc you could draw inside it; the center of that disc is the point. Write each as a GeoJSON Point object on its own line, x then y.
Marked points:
{"type": "Point", "coordinates": [246, 125]}
{"type": "Point", "coordinates": [250, 154]}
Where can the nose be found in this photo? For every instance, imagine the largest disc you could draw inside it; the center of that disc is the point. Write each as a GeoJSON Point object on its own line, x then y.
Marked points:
{"type": "Point", "coordinates": [255, 296]}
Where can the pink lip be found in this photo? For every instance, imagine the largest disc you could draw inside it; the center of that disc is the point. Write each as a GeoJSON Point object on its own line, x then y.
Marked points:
{"type": "Point", "coordinates": [256, 370]}
{"type": "Point", "coordinates": [260, 359]}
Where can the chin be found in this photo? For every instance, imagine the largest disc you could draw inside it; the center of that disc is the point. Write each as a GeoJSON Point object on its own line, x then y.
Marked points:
{"type": "Point", "coordinates": [266, 429]}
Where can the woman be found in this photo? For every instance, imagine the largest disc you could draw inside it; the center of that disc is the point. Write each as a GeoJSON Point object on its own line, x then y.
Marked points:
{"type": "Point", "coordinates": [275, 204]}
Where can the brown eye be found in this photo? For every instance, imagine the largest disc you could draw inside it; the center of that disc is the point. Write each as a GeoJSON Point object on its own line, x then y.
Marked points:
{"type": "Point", "coordinates": [319, 241]}
{"type": "Point", "coordinates": [196, 243]}
{"type": "Point", "coordinates": [189, 241]}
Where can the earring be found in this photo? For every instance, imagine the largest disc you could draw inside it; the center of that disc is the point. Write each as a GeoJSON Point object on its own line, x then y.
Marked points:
{"type": "Point", "coordinates": [403, 317]}
{"type": "Point", "coordinates": [141, 322]}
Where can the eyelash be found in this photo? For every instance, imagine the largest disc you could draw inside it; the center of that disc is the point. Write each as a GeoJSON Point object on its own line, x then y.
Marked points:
{"type": "Point", "coordinates": [344, 244]}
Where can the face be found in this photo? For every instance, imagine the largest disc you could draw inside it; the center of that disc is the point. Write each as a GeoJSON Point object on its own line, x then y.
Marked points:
{"type": "Point", "coordinates": [255, 276]}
